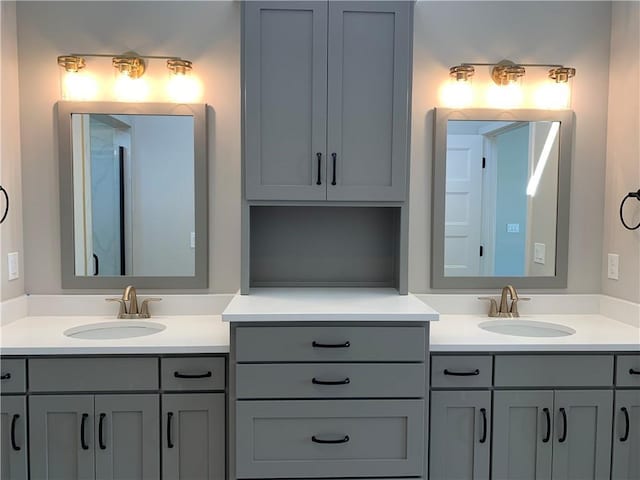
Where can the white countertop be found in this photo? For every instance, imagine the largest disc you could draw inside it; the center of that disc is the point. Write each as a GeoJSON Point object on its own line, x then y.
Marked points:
{"type": "Point", "coordinates": [43, 335]}
{"type": "Point", "coordinates": [461, 333]}
{"type": "Point", "coordinates": [327, 304]}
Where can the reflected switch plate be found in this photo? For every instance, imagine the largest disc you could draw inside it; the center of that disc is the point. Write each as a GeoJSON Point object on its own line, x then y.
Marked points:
{"type": "Point", "coordinates": [13, 264]}
{"type": "Point", "coordinates": [539, 253]}
{"type": "Point", "coordinates": [513, 228]}
{"type": "Point", "coordinates": [192, 240]}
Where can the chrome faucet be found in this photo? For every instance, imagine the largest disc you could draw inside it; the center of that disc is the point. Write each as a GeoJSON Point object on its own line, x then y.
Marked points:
{"type": "Point", "coordinates": [131, 310]}
{"type": "Point", "coordinates": [505, 311]}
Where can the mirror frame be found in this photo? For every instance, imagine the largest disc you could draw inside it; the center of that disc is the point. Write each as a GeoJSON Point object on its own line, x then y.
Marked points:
{"type": "Point", "coordinates": [200, 279]}
{"type": "Point", "coordinates": [441, 117]}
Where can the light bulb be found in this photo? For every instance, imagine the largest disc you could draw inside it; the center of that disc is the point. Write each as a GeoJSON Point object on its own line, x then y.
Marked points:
{"type": "Point", "coordinates": [505, 96]}
{"type": "Point", "coordinates": [457, 93]}
{"type": "Point", "coordinates": [129, 89]}
{"type": "Point", "coordinates": [183, 88]}
{"type": "Point", "coordinates": [553, 95]}
{"type": "Point", "coordinates": [79, 86]}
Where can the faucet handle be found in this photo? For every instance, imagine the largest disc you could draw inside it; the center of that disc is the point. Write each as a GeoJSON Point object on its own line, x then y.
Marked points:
{"type": "Point", "coordinates": [123, 306]}
{"type": "Point", "coordinates": [514, 305]}
{"type": "Point", "coordinates": [493, 307]}
{"type": "Point", "coordinates": [144, 308]}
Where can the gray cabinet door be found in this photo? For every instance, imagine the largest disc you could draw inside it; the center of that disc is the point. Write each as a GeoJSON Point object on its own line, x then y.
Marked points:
{"type": "Point", "coordinates": [582, 442]}
{"type": "Point", "coordinates": [285, 77]}
{"type": "Point", "coordinates": [127, 437]}
{"type": "Point", "coordinates": [460, 435]}
{"type": "Point", "coordinates": [626, 436]}
{"type": "Point", "coordinates": [13, 438]}
{"type": "Point", "coordinates": [193, 447]}
{"type": "Point", "coordinates": [522, 433]}
{"type": "Point", "coordinates": [369, 95]}
{"type": "Point", "coordinates": [61, 443]}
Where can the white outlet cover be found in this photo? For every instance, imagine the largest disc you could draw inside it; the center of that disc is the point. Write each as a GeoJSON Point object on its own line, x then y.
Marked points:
{"type": "Point", "coordinates": [513, 228]}
{"type": "Point", "coordinates": [13, 264]}
{"type": "Point", "coordinates": [539, 253]}
{"type": "Point", "coordinates": [613, 262]}
{"type": "Point", "coordinates": [192, 240]}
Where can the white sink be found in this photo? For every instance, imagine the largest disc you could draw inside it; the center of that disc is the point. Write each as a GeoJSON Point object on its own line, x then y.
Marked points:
{"type": "Point", "coordinates": [114, 330]}
{"type": "Point", "coordinates": [526, 328]}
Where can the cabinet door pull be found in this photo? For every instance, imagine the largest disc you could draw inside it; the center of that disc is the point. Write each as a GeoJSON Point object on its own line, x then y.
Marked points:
{"type": "Point", "coordinates": [169, 422]}
{"type": "Point", "coordinates": [315, 381]}
{"type": "Point", "coordinates": [345, 439]}
{"type": "Point", "coordinates": [83, 426]}
{"type": "Point", "coordinates": [564, 425]}
{"type": "Point", "coordinates": [483, 412]}
{"type": "Point", "coordinates": [634, 372]}
{"type": "Point", "coordinates": [14, 445]}
{"type": "Point", "coordinates": [319, 157]}
{"type": "Point", "coordinates": [333, 156]}
{"type": "Point", "coordinates": [6, 376]}
{"type": "Point", "coordinates": [548, 419]}
{"type": "Point", "coordinates": [315, 344]}
{"type": "Point", "coordinates": [100, 432]}
{"type": "Point", "coordinates": [192, 375]}
{"type": "Point", "coordinates": [462, 374]}
{"type": "Point", "coordinates": [625, 437]}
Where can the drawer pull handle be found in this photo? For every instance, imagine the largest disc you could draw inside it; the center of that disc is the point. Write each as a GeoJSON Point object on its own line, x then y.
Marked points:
{"type": "Point", "coordinates": [330, 345]}
{"type": "Point", "coordinates": [625, 437]}
{"type": "Point", "coordinates": [462, 374]}
{"type": "Point", "coordinates": [319, 157]}
{"type": "Point", "coordinates": [315, 381]}
{"type": "Point", "coordinates": [192, 375]}
{"type": "Point", "coordinates": [631, 372]}
{"type": "Point", "coordinates": [564, 425]}
{"type": "Point", "coordinates": [333, 180]}
{"type": "Point", "coordinates": [169, 441]}
{"type": "Point", "coordinates": [548, 418]}
{"type": "Point", "coordinates": [345, 439]}
{"type": "Point", "coordinates": [6, 376]}
{"type": "Point", "coordinates": [15, 446]}
{"type": "Point", "coordinates": [483, 411]}
{"type": "Point", "coordinates": [83, 427]}
{"type": "Point", "coordinates": [100, 432]}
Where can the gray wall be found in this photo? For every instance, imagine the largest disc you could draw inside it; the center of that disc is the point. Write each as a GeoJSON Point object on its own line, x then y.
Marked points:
{"type": "Point", "coordinates": [10, 174]}
{"type": "Point", "coordinates": [623, 152]}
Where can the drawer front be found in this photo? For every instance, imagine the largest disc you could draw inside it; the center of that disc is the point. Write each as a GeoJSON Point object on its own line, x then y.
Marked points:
{"type": "Point", "coordinates": [628, 371]}
{"type": "Point", "coordinates": [92, 374]}
{"type": "Point", "coordinates": [192, 373]}
{"type": "Point", "coordinates": [462, 371]}
{"type": "Point", "coordinates": [331, 344]}
{"type": "Point", "coordinates": [290, 439]}
{"type": "Point", "coordinates": [331, 380]}
{"type": "Point", "coordinates": [13, 376]}
{"type": "Point", "coordinates": [553, 371]}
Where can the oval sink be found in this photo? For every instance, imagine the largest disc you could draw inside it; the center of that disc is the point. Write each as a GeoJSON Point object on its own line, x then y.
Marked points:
{"type": "Point", "coordinates": [526, 328]}
{"type": "Point", "coordinates": [114, 330]}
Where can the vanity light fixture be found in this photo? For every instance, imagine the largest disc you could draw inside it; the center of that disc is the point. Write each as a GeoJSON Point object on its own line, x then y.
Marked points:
{"type": "Point", "coordinates": [129, 85]}
{"type": "Point", "coordinates": [182, 86]}
{"type": "Point", "coordinates": [556, 93]}
{"type": "Point", "coordinates": [76, 83]}
{"type": "Point", "coordinates": [458, 92]}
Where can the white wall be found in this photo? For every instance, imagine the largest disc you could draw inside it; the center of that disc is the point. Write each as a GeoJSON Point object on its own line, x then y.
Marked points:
{"type": "Point", "coordinates": [10, 173]}
{"type": "Point", "coordinates": [623, 152]}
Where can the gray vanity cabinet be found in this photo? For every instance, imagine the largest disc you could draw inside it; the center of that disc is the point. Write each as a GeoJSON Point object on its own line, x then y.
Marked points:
{"type": "Point", "coordinates": [13, 438]}
{"type": "Point", "coordinates": [193, 446]}
{"type": "Point", "coordinates": [626, 436]}
{"type": "Point", "coordinates": [461, 433]}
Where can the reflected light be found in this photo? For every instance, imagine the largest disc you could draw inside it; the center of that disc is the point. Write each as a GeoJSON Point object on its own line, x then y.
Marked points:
{"type": "Point", "coordinates": [532, 186]}
{"type": "Point", "coordinates": [79, 86]}
{"type": "Point", "coordinates": [505, 96]}
{"type": "Point", "coordinates": [184, 88]}
{"type": "Point", "coordinates": [129, 89]}
{"type": "Point", "coordinates": [552, 95]}
{"type": "Point", "coordinates": [457, 94]}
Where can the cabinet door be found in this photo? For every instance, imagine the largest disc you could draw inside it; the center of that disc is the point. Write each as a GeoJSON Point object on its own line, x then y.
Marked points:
{"type": "Point", "coordinates": [13, 438]}
{"type": "Point", "coordinates": [522, 432]}
{"type": "Point", "coordinates": [369, 95]}
{"type": "Point", "coordinates": [582, 443]}
{"type": "Point", "coordinates": [626, 436]}
{"type": "Point", "coordinates": [127, 437]}
{"type": "Point", "coordinates": [61, 437]}
{"type": "Point", "coordinates": [285, 77]}
{"type": "Point", "coordinates": [193, 447]}
{"type": "Point", "coordinates": [460, 435]}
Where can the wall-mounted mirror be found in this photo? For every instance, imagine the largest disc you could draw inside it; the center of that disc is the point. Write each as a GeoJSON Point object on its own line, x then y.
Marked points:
{"type": "Point", "coordinates": [133, 186]}
{"type": "Point", "coordinates": [501, 198]}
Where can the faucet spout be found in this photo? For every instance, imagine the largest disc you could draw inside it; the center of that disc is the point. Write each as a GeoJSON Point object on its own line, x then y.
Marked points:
{"type": "Point", "coordinates": [513, 294]}
{"type": "Point", "coordinates": [129, 295]}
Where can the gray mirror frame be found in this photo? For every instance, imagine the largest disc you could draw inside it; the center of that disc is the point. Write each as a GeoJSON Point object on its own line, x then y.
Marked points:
{"type": "Point", "coordinates": [441, 117]}
{"type": "Point", "coordinates": [199, 113]}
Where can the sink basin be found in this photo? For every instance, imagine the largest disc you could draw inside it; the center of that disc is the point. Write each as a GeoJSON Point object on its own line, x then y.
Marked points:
{"type": "Point", "coordinates": [114, 330]}
{"type": "Point", "coordinates": [526, 328]}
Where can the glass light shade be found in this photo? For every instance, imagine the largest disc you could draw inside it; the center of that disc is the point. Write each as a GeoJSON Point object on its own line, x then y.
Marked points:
{"type": "Point", "coordinates": [78, 86]}
{"type": "Point", "coordinates": [553, 95]}
{"type": "Point", "coordinates": [183, 88]}
{"type": "Point", "coordinates": [505, 96]}
{"type": "Point", "coordinates": [129, 89]}
{"type": "Point", "coordinates": [457, 93]}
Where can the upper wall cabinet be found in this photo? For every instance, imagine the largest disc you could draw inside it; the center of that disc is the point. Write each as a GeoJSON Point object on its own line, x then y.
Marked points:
{"type": "Point", "coordinates": [327, 95]}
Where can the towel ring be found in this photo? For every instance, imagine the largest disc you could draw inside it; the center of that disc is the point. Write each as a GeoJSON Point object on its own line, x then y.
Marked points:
{"type": "Point", "coordinates": [635, 195]}
{"type": "Point", "coordinates": [6, 208]}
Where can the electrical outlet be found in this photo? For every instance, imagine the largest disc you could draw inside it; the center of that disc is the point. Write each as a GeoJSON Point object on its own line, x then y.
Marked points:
{"type": "Point", "coordinates": [539, 253]}
{"type": "Point", "coordinates": [192, 240]}
{"type": "Point", "coordinates": [13, 264]}
{"type": "Point", "coordinates": [513, 228]}
{"type": "Point", "coordinates": [613, 260]}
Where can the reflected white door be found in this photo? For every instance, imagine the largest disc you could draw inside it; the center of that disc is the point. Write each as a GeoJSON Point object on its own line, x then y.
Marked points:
{"type": "Point", "coordinates": [463, 205]}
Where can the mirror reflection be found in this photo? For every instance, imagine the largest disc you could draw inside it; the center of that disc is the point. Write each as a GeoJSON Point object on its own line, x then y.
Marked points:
{"type": "Point", "coordinates": [133, 195]}
{"type": "Point", "coordinates": [501, 198]}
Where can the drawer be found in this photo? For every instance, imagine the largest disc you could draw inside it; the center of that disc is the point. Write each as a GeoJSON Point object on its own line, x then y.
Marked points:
{"type": "Point", "coordinates": [92, 374]}
{"type": "Point", "coordinates": [193, 373]}
{"type": "Point", "coordinates": [329, 438]}
{"type": "Point", "coordinates": [461, 371]}
{"type": "Point", "coordinates": [553, 371]}
{"type": "Point", "coordinates": [331, 380]}
{"type": "Point", "coordinates": [13, 375]}
{"type": "Point", "coordinates": [628, 371]}
{"type": "Point", "coordinates": [331, 344]}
